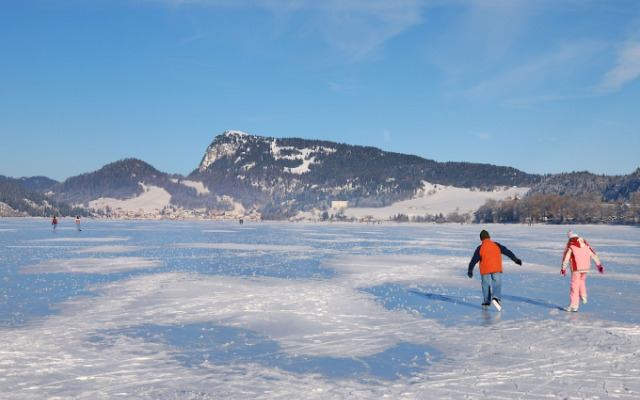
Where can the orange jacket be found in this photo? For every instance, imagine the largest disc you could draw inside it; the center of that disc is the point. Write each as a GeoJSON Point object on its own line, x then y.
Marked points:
{"type": "Point", "coordinates": [489, 254]}
{"type": "Point", "coordinates": [490, 257]}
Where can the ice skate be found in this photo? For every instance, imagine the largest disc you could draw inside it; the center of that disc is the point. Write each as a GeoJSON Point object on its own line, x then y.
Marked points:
{"type": "Point", "coordinates": [496, 303]}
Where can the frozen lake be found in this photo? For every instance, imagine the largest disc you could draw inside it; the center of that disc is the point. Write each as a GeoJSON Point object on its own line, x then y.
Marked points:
{"type": "Point", "coordinates": [207, 310]}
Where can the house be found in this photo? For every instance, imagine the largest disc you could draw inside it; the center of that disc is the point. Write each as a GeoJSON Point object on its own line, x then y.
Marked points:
{"type": "Point", "coordinates": [337, 205]}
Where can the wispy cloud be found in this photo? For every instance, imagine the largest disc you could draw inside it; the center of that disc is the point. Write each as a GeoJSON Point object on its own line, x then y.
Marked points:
{"type": "Point", "coordinates": [523, 80]}
{"type": "Point", "coordinates": [626, 69]}
{"type": "Point", "coordinates": [514, 52]}
{"type": "Point", "coordinates": [478, 34]}
{"type": "Point", "coordinates": [359, 27]}
{"type": "Point", "coordinates": [345, 88]}
{"type": "Point", "coordinates": [356, 28]}
{"type": "Point", "coordinates": [482, 135]}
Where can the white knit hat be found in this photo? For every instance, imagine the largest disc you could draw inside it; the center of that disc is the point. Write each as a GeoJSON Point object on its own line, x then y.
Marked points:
{"type": "Point", "coordinates": [572, 234]}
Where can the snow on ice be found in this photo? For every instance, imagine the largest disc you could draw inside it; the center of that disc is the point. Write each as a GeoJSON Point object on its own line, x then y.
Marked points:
{"type": "Point", "coordinates": [207, 310]}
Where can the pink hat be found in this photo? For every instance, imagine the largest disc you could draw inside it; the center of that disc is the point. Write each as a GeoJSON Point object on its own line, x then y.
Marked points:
{"type": "Point", "coordinates": [572, 234]}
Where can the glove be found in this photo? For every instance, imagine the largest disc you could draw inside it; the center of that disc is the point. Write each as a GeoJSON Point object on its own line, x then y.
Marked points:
{"type": "Point", "coordinates": [601, 269]}
{"type": "Point", "coordinates": [470, 274]}
{"type": "Point", "coordinates": [518, 261]}
{"type": "Point", "coordinates": [563, 272]}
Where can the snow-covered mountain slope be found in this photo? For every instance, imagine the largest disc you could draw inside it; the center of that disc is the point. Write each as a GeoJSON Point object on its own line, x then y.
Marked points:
{"type": "Point", "coordinates": [437, 200]}
{"type": "Point", "coordinates": [153, 198]}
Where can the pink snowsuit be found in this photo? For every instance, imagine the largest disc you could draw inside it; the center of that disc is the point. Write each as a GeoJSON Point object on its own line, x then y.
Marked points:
{"type": "Point", "coordinates": [580, 254]}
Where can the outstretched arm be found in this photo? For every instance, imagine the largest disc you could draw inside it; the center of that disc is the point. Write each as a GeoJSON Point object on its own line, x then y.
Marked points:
{"type": "Point", "coordinates": [595, 259]}
{"type": "Point", "coordinates": [474, 260]}
{"type": "Point", "coordinates": [566, 257]}
{"type": "Point", "coordinates": [509, 254]}
{"type": "Point", "coordinates": [594, 256]}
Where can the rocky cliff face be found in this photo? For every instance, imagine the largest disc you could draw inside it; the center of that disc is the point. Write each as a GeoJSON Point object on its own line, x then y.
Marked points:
{"type": "Point", "coordinates": [240, 151]}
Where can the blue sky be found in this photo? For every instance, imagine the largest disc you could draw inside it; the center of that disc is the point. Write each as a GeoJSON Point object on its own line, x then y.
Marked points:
{"type": "Point", "coordinates": [545, 86]}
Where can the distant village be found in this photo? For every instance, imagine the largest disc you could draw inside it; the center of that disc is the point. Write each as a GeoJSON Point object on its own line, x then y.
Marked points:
{"type": "Point", "coordinates": [180, 213]}
{"type": "Point", "coordinates": [171, 212]}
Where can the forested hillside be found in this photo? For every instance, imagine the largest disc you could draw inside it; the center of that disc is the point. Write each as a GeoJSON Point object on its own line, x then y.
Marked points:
{"type": "Point", "coordinates": [611, 188]}
{"type": "Point", "coordinates": [24, 202]}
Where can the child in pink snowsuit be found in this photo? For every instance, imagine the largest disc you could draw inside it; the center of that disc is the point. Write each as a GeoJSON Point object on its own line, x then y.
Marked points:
{"type": "Point", "coordinates": [580, 254]}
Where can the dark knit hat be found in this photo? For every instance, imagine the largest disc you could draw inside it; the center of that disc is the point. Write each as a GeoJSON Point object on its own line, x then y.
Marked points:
{"type": "Point", "coordinates": [484, 235]}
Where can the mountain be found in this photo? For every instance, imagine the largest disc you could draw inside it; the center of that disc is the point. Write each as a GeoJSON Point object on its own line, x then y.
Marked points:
{"type": "Point", "coordinates": [282, 177]}
{"type": "Point", "coordinates": [17, 200]}
{"type": "Point", "coordinates": [299, 174]}
{"type": "Point", "coordinates": [120, 180]}
{"type": "Point", "coordinates": [127, 179]}
{"type": "Point", "coordinates": [37, 183]}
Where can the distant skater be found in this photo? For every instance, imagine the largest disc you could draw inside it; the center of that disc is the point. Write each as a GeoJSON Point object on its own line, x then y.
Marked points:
{"type": "Point", "coordinates": [580, 254]}
{"type": "Point", "coordinates": [78, 223]}
{"type": "Point", "coordinates": [54, 222]}
{"type": "Point", "coordinates": [489, 254]}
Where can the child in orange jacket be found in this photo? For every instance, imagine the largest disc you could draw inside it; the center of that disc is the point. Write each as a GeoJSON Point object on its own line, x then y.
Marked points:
{"type": "Point", "coordinates": [489, 254]}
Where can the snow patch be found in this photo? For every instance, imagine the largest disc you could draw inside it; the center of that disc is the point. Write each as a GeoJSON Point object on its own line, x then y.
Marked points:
{"type": "Point", "coordinates": [152, 198]}
{"type": "Point", "coordinates": [91, 265]}
{"type": "Point", "coordinates": [302, 168]}
{"type": "Point", "coordinates": [198, 186]}
{"type": "Point", "coordinates": [244, 247]}
{"type": "Point", "coordinates": [437, 199]}
{"type": "Point", "coordinates": [236, 133]}
{"type": "Point", "coordinates": [306, 156]}
{"type": "Point", "coordinates": [109, 249]}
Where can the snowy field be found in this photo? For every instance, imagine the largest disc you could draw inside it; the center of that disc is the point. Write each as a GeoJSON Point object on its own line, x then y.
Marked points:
{"type": "Point", "coordinates": [437, 199]}
{"type": "Point", "coordinates": [209, 310]}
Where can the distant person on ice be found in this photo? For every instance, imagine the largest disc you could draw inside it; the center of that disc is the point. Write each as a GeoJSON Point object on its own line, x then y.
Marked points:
{"type": "Point", "coordinates": [54, 222]}
{"type": "Point", "coordinates": [580, 254]}
{"type": "Point", "coordinates": [78, 223]}
{"type": "Point", "coordinates": [489, 254]}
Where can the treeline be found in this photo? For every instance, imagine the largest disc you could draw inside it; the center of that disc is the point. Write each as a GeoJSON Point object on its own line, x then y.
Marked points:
{"type": "Point", "coordinates": [439, 218]}
{"type": "Point", "coordinates": [560, 209]}
{"type": "Point", "coordinates": [543, 208]}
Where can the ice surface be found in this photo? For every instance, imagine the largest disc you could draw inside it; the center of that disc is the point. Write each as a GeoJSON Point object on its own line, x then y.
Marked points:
{"type": "Point", "coordinates": [201, 310]}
